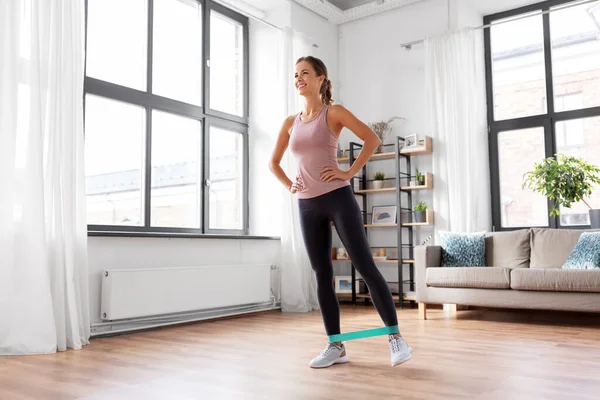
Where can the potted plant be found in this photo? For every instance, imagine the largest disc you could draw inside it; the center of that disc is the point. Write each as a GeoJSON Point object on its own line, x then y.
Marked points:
{"type": "Point", "coordinates": [419, 179]}
{"type": "Point", "coordinates": [378, 182]}
{"type": "Point", "coordinates": [566, 180]}
{"type": "Point", "coordinates": [382, 129]}
{"type": "Point", "coordinates": [420, 212]}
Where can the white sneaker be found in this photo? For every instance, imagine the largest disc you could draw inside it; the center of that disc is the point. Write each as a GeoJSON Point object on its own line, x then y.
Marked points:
{"type": "Point", "coordinates": [401, 351]}
{"type": "Point", "coordinates": [331, 355]}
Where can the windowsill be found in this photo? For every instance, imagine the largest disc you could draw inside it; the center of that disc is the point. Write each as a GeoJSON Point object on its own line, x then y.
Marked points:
{"type": "Point", "coordinates": [177, 235]}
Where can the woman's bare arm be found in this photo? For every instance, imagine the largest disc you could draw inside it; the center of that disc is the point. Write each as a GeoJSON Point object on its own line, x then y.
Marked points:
{"type": "Point", "coordinates": [280, 147]}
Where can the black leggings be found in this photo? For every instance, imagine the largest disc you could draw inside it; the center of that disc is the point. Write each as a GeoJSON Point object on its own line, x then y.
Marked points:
{"type": "Point", "coordinates": [316, 215]}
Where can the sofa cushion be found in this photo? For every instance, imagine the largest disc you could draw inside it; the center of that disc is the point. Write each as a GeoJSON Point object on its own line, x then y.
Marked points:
{"type": "Point", "coordinates": [555, 280]}
{"type": "Point", "coordinates": [469, 277]}
{"type": "Point", "coordinates": [586, 254]}
{"type": "Point", "coordinates": [550, 248]}
{"type": "Point", "coordinates": [462, 249]}
{"type": "Point", "coordinates": [507, 249]}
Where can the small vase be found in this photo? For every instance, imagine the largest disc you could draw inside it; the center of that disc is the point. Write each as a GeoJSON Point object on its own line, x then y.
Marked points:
{"type": "Point", "coordinates": [595, 218]}
{"type": "Point", "coordinates": [378, 184]}
{"type": "Point", "coordinates": [420, 216]}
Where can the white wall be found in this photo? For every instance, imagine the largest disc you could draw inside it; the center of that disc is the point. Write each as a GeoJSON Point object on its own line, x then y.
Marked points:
{"type": "Point", "coordinates": [278, 12]}
{"type": "Point", "coordinates": [123, 252]}
{"type": "Point", "coordinates": [379, 80]}
{"type": "Point", "coordinates": [322, 33]}
{"type": "Point", "coordinates": [468, 15]}
{"type": "Point", "coordinates": [267, 112]}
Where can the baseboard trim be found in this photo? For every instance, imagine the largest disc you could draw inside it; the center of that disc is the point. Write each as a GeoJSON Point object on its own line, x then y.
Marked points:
{"type": "Point", "coordinates": [105, 329]}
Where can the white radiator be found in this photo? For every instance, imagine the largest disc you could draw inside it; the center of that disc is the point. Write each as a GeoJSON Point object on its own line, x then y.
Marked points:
{"type": "Point", "coordinates": [134, 293]}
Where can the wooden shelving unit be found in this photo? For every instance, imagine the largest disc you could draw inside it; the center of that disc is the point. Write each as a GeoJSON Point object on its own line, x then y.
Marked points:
{"type": "Point", "coordinates": [374, 157]}
{"type": "Point", "coordinates": [410, 296]}
{"type": "Point", "coordinates": [363, 295]}
{"type": "Point", "coordinates": [427, 148]}
{"type": "Point", "coordinates": [384, 190]}
{"type": "Point", "coordinates": [428, 220]}
{"type": "Point", "coordinates": [428, 184]}
{"type": "Point", "coordinates": [406, 224]}
{"type": "Point", "coordinates": [377, 261]}
{"type": "Point", "coordinates": [381, 225]}
{"type": "Point", "coordinates": [404, 192]}
{"type": "Point", "coordinates": [407, 296]}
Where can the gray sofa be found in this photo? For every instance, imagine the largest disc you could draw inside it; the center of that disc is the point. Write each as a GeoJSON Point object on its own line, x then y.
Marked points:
{"type": "Point", "coordinates": [523, 270]}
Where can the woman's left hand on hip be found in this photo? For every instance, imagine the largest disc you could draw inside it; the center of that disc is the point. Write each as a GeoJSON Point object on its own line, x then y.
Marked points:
{"type": "Point", "coordinates": [329, 174]}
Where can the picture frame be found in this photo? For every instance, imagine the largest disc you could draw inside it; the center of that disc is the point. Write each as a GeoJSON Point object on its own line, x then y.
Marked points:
{"type": "Point", "coordinates": [343, 284]}
{"type": "Point", "coordinates": [341, 254]}
{"type": "Point", "coordinates": [411, 140]}
{"type": "Point", "coordinates": [384, 215]}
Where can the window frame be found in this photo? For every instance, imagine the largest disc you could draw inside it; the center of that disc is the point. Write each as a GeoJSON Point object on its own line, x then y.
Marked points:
{"type": "Point", "coordinates": [212, 6]}
{"type": "Point", "coordinates": [203, 114]}
{"type": "Point", "coordinates": [235, 128]}
{"type": "Point", "coordinates": [547, 120]}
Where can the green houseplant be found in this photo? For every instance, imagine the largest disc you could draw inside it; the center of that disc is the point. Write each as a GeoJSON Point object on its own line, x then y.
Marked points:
{"type": "Point", "coordinates": [566, 180]}
{"type": "Point", "coordinates": [419, 179]}
{"type": "Point", "coordinates": [420, 212]}
{"type": "Point", "coordinates": [378, 182]}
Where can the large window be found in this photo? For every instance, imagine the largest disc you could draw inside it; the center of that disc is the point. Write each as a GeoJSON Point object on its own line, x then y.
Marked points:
{"type": "Point", "coordinates": [543, 87]}
{"type": "Point", "coordinates": [166, 117]}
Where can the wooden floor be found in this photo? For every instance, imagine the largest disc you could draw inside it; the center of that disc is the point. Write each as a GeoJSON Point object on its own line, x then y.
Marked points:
{"type": "Point", "coordinates": [484, 354]}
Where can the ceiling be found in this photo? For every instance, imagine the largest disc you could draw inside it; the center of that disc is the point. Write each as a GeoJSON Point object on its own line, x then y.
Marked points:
{"type": "Point", "coordinates": [341, 11]}
{"type": "Point", "coordinates": [348, 4]}
{"type": "Point", "coordinates": [487, 7]}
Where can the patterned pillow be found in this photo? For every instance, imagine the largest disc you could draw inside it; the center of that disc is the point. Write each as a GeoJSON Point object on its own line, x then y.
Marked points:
{"type": "Point", "coordinates": [586, 254]}
{"type": "Point", "coordinates": [463, 249]}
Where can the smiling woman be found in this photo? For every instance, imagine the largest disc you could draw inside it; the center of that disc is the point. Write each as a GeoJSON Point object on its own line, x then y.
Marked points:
{"type": "Point", "coordinates": [324, 195]}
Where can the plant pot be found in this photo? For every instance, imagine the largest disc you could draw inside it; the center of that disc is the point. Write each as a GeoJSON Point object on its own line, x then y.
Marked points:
{"type": "Point", "coordinates": [378, 184]}
{"type": "Point", "coordinates": [595, 218]}
{"type": "Point", "coordinates": [420, 216]}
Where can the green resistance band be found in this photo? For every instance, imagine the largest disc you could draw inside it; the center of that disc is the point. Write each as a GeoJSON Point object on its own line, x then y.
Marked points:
{"type": "Point", "coordinates": [388, 330]}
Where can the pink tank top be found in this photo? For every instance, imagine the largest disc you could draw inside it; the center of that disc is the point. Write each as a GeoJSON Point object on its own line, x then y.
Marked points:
{"type": "Point", "coordinates": [315, 147]}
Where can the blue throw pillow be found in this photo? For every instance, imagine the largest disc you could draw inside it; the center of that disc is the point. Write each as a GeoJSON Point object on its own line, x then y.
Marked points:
{"type": "Point", "coordinates": [463, 249]}
{"type": "Point", "coordinates": [586, 254]}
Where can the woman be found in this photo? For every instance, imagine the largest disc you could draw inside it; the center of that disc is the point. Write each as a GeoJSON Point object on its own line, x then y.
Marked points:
{"type": "Point", "coordinates": [324, 195]}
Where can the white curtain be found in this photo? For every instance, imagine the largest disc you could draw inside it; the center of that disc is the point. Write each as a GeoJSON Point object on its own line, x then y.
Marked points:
{"type": "Point", "coordinates": [456, 104]}
{"type": "Point", "coordinates": [298, 287]}
{"type": "Point", "coordinates": [43, 234]}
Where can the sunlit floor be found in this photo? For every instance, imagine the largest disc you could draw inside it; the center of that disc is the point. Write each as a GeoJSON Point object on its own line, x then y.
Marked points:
{"type": "Point", "coordinates": [484, 354]}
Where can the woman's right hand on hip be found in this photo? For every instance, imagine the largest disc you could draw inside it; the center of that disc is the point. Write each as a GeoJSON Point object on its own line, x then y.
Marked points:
{"type": "Point", "coordinates": [297, 185]}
